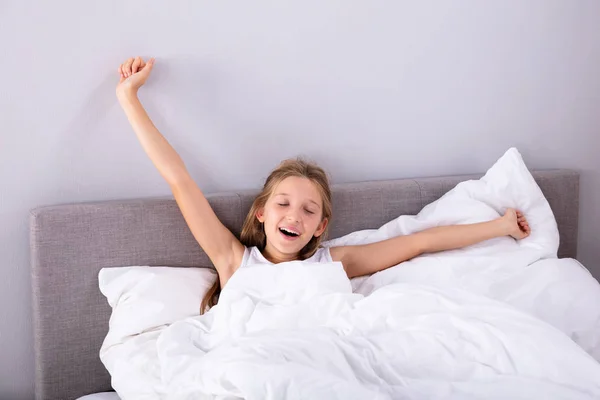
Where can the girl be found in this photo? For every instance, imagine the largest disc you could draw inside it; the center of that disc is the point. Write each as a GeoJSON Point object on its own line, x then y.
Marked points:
{"type": "Point", "coordinates": [289, 217]}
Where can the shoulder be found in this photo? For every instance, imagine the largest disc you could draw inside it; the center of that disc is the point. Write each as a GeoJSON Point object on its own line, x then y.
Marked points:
{"type": "Point", "coordinates": [338, 253]}
{"type": "Point", "coordinates": [321, 255]}
{"type": "Point", "coordinates": [248, 252]}
{"type": "Point", "coordinates": [343, 254]}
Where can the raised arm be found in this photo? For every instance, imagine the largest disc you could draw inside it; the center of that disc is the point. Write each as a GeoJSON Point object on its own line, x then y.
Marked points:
{"type": "Point", "coordinates": [374, 257]}
{"type": "Point", "coordinates": [221, 246]}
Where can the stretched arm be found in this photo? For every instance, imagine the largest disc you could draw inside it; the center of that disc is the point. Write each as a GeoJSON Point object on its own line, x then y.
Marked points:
{"type": "Point", "coordinates": [161, 153]}
{"type": "Point", "coordinates": [221, 246]}
{"type": "Point", "coordinates": [370, 258]}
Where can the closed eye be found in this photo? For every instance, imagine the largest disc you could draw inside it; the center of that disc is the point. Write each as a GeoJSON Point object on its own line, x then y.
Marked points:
{"type": "Point", "coordinates": [310, 212]}
{"type": "Point", "coordinates": [282, 204]}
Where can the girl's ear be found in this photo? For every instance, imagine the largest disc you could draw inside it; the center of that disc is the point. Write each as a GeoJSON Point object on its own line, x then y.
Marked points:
{"type": "Point", "coordinates": [321, 228]}
{"type": "Point", "coordinates": [260, 215]}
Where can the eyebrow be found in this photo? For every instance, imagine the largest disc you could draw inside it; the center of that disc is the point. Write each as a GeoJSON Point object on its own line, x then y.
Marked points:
{"type": "Point", "coordinates": [285, 194]}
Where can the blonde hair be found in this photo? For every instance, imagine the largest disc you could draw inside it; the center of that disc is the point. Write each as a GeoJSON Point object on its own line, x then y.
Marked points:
{"type": "Point", "coordinates": [253, 233]}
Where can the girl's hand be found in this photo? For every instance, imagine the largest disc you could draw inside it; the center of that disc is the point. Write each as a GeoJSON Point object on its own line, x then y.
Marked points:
{"type": "Point", "coordinates": [516, 224]}
{"type": "Point", "coordinates": [133, 73]}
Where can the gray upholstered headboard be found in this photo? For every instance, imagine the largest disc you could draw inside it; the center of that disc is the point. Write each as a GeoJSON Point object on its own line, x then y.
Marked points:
{"type": "Point", "coordinates": [71, 243]}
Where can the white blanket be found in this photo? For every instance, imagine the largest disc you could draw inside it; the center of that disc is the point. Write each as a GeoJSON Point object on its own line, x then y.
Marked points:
{"type": "Point", "coordinates": [499, 320]}
{"type": "Point", "coordinates": [295, 331]}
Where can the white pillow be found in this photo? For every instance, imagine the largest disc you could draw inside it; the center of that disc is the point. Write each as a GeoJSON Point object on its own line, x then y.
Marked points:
{"type": "Point", "coordinates": [147, 298]}
{"type": "Point", "coordinates": [507, 184]}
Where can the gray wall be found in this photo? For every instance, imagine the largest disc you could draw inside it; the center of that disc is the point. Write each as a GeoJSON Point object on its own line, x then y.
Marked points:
{"type": "Point", "coordinates": [371, 90]}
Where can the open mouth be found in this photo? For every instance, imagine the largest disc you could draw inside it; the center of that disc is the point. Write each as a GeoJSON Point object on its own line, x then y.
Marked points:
{"type": "Point", "coordinates": [288, 233]}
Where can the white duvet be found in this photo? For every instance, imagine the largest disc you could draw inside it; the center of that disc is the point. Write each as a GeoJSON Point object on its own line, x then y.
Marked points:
{"type": "Point", "coordinates": [499, 320]}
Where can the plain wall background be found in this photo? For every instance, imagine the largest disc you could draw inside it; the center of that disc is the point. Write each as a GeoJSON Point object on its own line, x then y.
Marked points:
{"type": "Point", "coordinates": [370, 90]}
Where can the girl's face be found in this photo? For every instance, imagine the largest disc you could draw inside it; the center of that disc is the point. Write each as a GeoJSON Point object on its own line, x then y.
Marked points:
{"type": "Point", "coordinates": [291, 217]}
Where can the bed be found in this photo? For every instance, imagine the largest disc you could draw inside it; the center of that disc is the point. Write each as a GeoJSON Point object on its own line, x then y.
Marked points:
{"type": "Point", "coordinates": [70, 243]}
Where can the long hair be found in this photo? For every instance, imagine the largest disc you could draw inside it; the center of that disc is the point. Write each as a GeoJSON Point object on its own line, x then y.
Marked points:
{"type": "Point", "coordinates": [253, 233]}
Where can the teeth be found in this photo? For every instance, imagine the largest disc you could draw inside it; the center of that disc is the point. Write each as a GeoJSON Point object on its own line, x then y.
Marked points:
{"type": "Point", "coordinates": [288, 231]}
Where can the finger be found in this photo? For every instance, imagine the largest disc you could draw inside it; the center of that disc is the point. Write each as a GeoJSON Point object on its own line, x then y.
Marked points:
{"type": "Point", "coordinates": [128, 67]}
{"type": "Point", "coordinates": [522, 228]}
{"type": "Point", "coordinates": [121, 73]}
{"type": "Point", "coordinates": [122, 68]}
{"type": "Point", "coordinates": [137, 65]}
{"type": "Point", "coordinates": [149, 65]}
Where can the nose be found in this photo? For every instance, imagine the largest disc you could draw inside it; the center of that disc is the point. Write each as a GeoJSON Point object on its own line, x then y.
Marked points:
{"type": "Point", "coordinates": [294, 215]}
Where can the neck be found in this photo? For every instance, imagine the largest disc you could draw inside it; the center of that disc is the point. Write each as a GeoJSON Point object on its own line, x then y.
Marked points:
{"type": "Point", "coordinates": [277, 257]}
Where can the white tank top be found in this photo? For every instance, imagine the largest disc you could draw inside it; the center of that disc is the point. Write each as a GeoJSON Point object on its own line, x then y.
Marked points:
{"type": "Point", "coordinates": [253, 256]}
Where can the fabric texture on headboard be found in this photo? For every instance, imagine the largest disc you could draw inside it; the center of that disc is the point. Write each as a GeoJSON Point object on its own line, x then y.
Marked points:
{"type": "Point", "coordinates": [71, 243]}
